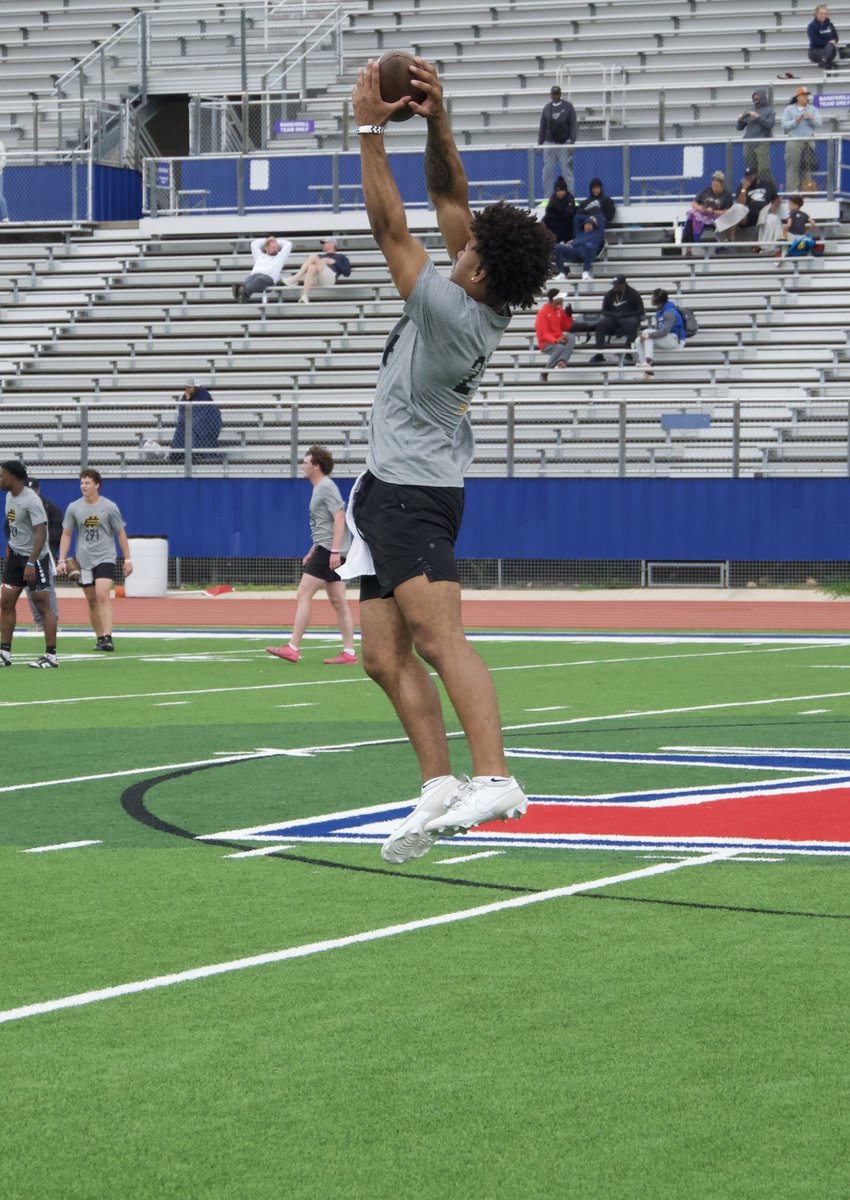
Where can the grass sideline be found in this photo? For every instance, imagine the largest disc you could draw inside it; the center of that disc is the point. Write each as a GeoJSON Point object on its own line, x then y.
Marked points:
{"type": "Point", "coordinates": [672, 1035]}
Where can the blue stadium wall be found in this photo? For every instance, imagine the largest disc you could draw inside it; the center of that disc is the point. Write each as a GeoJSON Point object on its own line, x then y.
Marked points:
{"type": "Point", "coordinates": [786, 520]}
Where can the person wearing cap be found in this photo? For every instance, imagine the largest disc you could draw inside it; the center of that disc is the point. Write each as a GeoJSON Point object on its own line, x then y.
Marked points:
{"type": "Point", "coordinates": [755, 201]}
{"type": "Point", "coordinates": [26, 564]}
{"type": "Point", "coordinates": [557, 134]}
{"type": "Point", "coordinates": [269, 255]}
{"type": "Point", "coordinates": [706, 207]}
{"type": "Point", "coordinates": [320, 270]}
{"type": "Point", "coordinates": [823, 39]}
{"type": "Point", "coordinates": [622, 314]}
{"type": "Point", "coordinates": [552, 328]}
{"type": "Point", "coordinates": [205, 424]}
{"type": "Point", "coordinates": [757, 124]}
{"type": "Point", "coordinates": [800, 120]}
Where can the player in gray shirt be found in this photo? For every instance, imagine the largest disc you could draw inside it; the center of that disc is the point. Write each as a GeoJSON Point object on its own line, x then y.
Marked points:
{"type": "Point", "coordinates": [27, 563]}
{"type": "Point", "coordinates": [97, 522]}
{"type": "Point", "coordinates": [408, 505]}
{"type": "Point", "coordinates": [325, 556]}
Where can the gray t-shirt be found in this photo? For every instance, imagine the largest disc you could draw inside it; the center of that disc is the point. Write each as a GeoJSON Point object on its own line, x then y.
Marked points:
{"type": "Point", "coordinates": [419, 431]}
{"type": "Point", "coordinates": [325, 501]}
{"type": "Point", "coordinates": [22, 512]}
{"type": "Point", "coordinates": [96, 526]}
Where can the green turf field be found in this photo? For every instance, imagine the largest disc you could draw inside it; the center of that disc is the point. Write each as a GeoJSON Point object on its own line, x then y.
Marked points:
{"type": "Point", "coordinates": [447, 1028]}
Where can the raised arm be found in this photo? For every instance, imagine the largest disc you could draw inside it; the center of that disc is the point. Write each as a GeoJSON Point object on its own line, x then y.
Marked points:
{"type": "Point", "coordinates": [445, 176]}
{"type": "Point", "coordinates": [404, 254]}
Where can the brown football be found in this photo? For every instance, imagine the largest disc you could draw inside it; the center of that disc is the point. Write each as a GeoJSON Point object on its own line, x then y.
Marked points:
{"type": "Point", "coordinates": [73, 568]}
{"type": "Point", "coordinates": [396, 81]}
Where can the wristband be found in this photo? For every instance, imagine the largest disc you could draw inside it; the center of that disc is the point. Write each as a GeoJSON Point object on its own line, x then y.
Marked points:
{"type": "Point", "coordinates": [335, 552]}
{"type": "Point", "coordinates": [30, 564]}
{"type": "Point", "coordinates": [59, 561]}
{"type": "Point", "coordinates": [370, 129]}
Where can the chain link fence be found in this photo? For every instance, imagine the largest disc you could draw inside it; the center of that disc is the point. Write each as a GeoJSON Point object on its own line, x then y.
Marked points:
{"type": "Point", "coordinates": [631, 173]}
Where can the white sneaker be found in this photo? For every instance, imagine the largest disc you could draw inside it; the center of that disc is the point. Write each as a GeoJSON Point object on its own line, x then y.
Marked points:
{"type": "Point", "coordinates": [586, 275]}
{"type": "Point", "coordinates": [409, 839]}
{"type": "Point", "coordinates": [305, 299]}
{"type": "Point", "coordinates": [480, 800]}
{"type": "Point", "coordinates": [561, 278]}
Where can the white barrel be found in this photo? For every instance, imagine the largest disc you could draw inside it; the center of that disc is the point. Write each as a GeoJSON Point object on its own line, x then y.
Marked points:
{"type": "Point", "coordinates": [150, 567]}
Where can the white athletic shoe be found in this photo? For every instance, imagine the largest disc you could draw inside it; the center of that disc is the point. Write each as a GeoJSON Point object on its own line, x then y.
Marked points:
{"type": "Point", "coordinates": [587, 275]}
{"type": "Point", "coordinates": [305, 299]}
{"type": "Point", "coordinates": [409, 839]}
{"type": "Point", "coordinates": [561, 277]}
{"type": "Point", "coordinates": [480, 800]}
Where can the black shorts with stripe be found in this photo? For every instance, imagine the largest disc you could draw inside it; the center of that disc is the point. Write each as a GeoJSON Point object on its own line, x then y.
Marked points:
{"type": "Point", "coordinates": [410, 531]}
{"type": "Point", "coordinates": [13, 572]}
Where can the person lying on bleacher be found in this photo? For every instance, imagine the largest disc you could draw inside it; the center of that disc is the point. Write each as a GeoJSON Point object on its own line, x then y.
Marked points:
{"type": "Point", "coordinates": [596, 203]}
{"type": "Point", "coordinates": [584, 248]}
{"type": "Point", "coordinates": [270, 255]}
{"type": "Point", "coordinates": [706, 207]}
{"type": "Point", "coordinates": [320, 269]}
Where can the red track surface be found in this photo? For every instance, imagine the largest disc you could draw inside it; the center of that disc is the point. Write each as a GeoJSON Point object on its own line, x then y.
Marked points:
{"type": "Point", "coordinates": [566, 614]}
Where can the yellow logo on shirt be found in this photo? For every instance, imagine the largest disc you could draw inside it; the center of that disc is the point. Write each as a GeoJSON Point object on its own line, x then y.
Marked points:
{"type": "Point", "coordinates": [91, 522]}
{"type": "Point", "coordinates": [463, 408]}
{"type": "Point", "coordinates": [10, 516]}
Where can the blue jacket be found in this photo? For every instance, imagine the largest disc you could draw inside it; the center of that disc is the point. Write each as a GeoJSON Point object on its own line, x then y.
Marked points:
{"type": "Point", "coordinates": [821, 33]}
{"type": "Point", "coordinates": [206, 422]}
{"type": "Point", "coordinates": [584, 243]}
{"type": "Point", "coordinates": [668, 319]}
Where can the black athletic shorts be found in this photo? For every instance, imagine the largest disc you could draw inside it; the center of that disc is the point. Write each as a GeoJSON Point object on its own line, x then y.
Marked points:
{"type": "Point", "coordinates": [317, 565]}
{"type": "Point", "coordinates": [102, 571]}
{"type": "Point", "coordinates": [409, 530]}
{"type": "Point", "coordinates": [13, 572]}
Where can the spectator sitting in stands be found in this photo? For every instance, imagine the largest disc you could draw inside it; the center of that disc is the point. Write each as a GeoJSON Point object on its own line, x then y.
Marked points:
{"type": "Point", "coordinates": [754, 198]}
{"type": "Point", "coordinates": [823, 40]}
{"type": "Point", "coordinates": [270, 255]}
{"type": "Point", "coordinates": [706, 207]}
{"type": "Point", "coordinates": [552, 327]}
{"type": "Point", "coordinates": [799, 229]}
{"type": "Point", "coordinates": [584, 247]}
{"type": "Point", "coordinates": [320, 270]}
{"type": "Point", "coordinates": [622, 314]}
{"type": "Point", "coordinates": [560, 210]}
{"type": "Point", "coordinates": [666, 332]}
{"type": "Point", "coordinates": [205, 425]}
{"type": "Point", "coordinates": [596, 202]}
{"type": "Point", "coordinates": [758, 123]}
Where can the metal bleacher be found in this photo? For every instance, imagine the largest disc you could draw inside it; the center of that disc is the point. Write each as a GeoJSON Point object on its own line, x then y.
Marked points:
{"type": "Point", "coordinates": [111, 325]}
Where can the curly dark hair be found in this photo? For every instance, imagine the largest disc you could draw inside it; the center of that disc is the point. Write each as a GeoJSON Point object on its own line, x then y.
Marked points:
{"type": "Point", "coordinates": [323, 458]}
{"type": "Point", "coordinates": [515, 250]}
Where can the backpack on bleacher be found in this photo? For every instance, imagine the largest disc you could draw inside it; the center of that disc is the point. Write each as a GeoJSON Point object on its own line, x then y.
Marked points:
{"type": "Point", "coordinates": [689, 321]}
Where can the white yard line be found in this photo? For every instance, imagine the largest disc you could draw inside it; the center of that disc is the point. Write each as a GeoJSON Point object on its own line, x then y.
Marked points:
{"type": "Point", "coordinates": [260, 853]}
{"type": "Point", "coordinates": [370, 935]}
{"type": "Point", "coordinates": [261, 687]}
{"type": "Point", "coordinates": [60, 846]}
{"type": "Point", "coordinates": [306, 751]}
{"type": "Point", "coordinates": [444, 862]}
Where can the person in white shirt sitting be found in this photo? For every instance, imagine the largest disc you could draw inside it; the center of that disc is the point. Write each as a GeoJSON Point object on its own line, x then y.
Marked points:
{"type": "Point", "coordinates": [270, 255]}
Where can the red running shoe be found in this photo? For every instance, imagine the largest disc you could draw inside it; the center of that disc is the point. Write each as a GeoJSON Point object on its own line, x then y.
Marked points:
{"type": "Point", "coordinates": [284, 652]}
{"type": "Point", "coordinates": [343, 659]}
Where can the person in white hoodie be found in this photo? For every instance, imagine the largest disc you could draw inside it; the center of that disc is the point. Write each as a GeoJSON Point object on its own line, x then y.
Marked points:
{"type": "Point", "coordinates": [4, 207]}
{"type": "Point", "coordinates": [270, 255]}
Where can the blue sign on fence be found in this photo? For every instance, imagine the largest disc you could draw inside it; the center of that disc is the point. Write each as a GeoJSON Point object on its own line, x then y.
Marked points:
{"type": "Point", "coordinates": [833, 100]}
{"type": "Point", "coordinates": [163, 174]}
{"type": "Point", "coordinates": [295, 126]}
